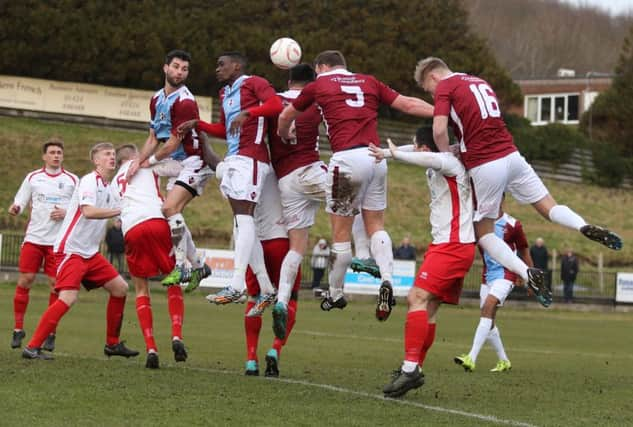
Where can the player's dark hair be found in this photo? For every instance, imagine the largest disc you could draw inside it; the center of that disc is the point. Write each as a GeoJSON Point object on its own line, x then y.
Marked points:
{"type": "Point", "coordinates": [52, 142]}
{"type": "Point", "coordinates": [237, 57]}
{"type": "Point", "coordinates": [177, 53]}
{"type": "Point", "coordinates": [302, 73]}
{"type": "Point", "coordinates": [331, 58]}
{"type": "Point", "coordinates": [424, 136]}
{"type": "Point", "coordinates": [125, 152]}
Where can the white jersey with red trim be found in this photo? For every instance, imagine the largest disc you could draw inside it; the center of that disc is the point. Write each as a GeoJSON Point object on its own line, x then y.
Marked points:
{"type": "Point", "coordinates": [80, 235]}
{"type": "Point", "coordinates": [139, 198]}
{"type": "Point", "coordinates": [44, 191]}
{"type": "Point", "coordinates": [451, 202]}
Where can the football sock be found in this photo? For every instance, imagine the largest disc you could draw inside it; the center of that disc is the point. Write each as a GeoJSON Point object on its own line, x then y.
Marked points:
{"type": "Point", "coordinates": [145, 321]}
{"type": "Point", "coordinates": [481, 333]}
{"type": "Point", "coordinates": [561, 214]}
{"type": "Point", "coordinates": [258, 265]}
{"type": "Point", "coordinates": [178, 228]}
{"type": "Point", "coordinates": [114, 319]}
{"type": "Point", "coordinates": [287, 275]}
{"type": "Point", "coordinates": [382, 249]}
{"type": "Point", "coordinates": [494, 337]}
{"type": "Point", "coordinates": [190, 249]}
{"type": "Point", "coordinates": [52, 297]}
{"type": "Point", "coordinates": [416, 328]}
{"type": "Point", "coordinates": [176, 307]}
{"type": "Point", "coordinates": [244, 240]}
{"type": "Point", "coordinates": [48, 323]}
{"type": "Point", "coordinates": [361, 240]}
{"type": "Point", "coordinates": [501, 252]}
{"type": "Point", "coordinates": [342, 258]}
{"type": "Point", "coordinates": [252, 326]}
{"type": "Point", "coordinates": [20, 302]}
{"type": "Point", "coordinates": [428, 342]}
{"type": "Point", "coordinates": [290, 322]}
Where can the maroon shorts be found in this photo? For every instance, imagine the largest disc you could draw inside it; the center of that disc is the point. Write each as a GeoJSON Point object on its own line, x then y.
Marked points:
{"type": "Point", "coordinates": [74, 271]}
{"type": "Point", "coordinates": [148, 249]}
{"type": "Point", "coordinates": [444, 268]}
{"type": "Point", "coordinates": [31, 257]}
{"type": "Point", "coordinates": [275, 251]}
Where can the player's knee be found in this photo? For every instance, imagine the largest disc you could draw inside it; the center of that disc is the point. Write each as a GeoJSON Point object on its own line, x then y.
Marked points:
{"type": "Point", "coordinates": [117, 287]}
{"type": "Point", "coordinates": [68, 297]}
{"type": "Point", "coordinates": [25, 280]}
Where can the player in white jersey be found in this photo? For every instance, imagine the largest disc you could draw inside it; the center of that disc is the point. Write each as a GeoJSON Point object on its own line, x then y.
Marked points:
{"type": "Point", "coordinates": [149, 249]}
{"type": "Point", "coordinates": [446, 262]}
{"type": "Point", "coordinates": [79, 261]}
{"type": "Point", "coordinates": [47, 191]}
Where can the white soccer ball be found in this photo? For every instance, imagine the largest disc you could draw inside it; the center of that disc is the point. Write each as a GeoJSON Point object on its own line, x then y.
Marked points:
{"type": "Point", "coordinates": [285, 53]}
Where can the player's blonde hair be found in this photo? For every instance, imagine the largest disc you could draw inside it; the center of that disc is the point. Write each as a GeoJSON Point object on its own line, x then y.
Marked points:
{"type": "Point", "coordinates": [425, 66]}
{"type": "Point", "coordinates": [100, 146]}
{"type": "Point", "coordinates": [125, 152]}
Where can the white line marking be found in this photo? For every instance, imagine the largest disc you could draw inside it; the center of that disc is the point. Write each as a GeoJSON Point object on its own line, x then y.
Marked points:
{"type": "Point", "coordinates": [487, 418]}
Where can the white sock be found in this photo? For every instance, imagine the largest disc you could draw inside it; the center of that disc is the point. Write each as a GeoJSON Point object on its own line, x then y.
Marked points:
{"type": "Point", "coordinates": [501, 252]}
{"type": "Point", "coordinates": [483, 329]}
{"type": "Point", "coordinates": [383, 253]}
{"type": "Point", "coordinates": [258, 265]}
{"type": "Point", "coordinates": [178, 228]}
{"type": "Point", "coordinates": [287, 275]}
{"type": "Point", "coordinates": [244, 240]}
{"type": "Point", "coordinates": [561, 214]}
{"type": "Point", "coordinates": [341, 259]}
{"type": "Point", "coordinates": [494, 337]}
{"type": "Point", "coordinates": [408, 366]}
{"type": "Point", "coordinates": [191, 250]}
{"type": "Point", "coordinates": [361, 240]}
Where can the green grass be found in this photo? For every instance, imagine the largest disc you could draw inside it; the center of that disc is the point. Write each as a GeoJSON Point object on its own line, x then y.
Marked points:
{"type": "Point", "coordinates": [569, 368]}
{"type": "Point", "coordinates": [210, 220]}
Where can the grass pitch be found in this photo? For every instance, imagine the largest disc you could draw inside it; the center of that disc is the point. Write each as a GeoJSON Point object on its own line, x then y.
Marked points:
{"type": "Point", "coordinates": [569, 368]}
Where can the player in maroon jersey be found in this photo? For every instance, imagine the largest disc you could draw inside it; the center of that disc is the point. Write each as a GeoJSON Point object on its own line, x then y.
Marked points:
{"type": "Point", "coordinates": [349, 103]}
{"type": "Point", "coordinates": [494, 164]}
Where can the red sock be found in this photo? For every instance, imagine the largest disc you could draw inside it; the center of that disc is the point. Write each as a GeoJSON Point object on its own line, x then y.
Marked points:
{"type": "Point", "coordinates": [145, 320]}
{"type": "Point", "coordinates": [176, 305]}
{"type": "Point", "coordinates": [415, 331]}
{"type": "Point", "coordinates": [20, 302]}
{"type": "Point", "coordinates": [252, 326]}
{"type": "Point", "coordinates": [290, 322]}
{"type": "Point", "coordinates": [52, 297]}
{"type": "Point", "coordinates": [48, 323]}
{"type": "Point", "coordinates": [428, 342]}
{"type": "Point", "coordinates": [114, 319]}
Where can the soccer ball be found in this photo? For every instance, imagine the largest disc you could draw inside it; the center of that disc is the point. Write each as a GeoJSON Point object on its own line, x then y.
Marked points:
{"type": "Point", "coordinates": [285, 53]}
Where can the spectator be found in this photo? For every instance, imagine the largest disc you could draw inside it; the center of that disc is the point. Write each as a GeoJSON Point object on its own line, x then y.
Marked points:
{"type": "Point", "coordinates": [405, 250]}
{"type": "Point", "coordinates": [568, 273]}
{"type": "Point", "coordinates": [116, 244]}
{"type": "Point", "coordinates": [319, 261]}
{"type": "Point", "coordinates": [540, 257]}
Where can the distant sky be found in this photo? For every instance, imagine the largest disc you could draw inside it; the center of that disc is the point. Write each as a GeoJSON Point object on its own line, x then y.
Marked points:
{"type": "Point", "coordinates": [615, 7]}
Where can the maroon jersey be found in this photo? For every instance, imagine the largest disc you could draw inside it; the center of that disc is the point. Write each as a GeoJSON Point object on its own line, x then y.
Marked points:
{"type": "Point", "coordinates": [474, 114]}
{"type": "Point", "coordinates": [169, 111]}
{"type": "Point", "coordinates": [286, 156]}
{"type": "Point", "coordinates": [349, 103]}
{"type": "Point", "coordinates": [246, 92]}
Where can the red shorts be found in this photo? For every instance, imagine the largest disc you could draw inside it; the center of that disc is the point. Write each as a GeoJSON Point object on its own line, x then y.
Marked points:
{"type": "Point", "coordinates": [31, 257]}
{"type": "Point", "coordinates": [275, 251]}
{"type": "Point", "coordinates": [148, 248]}
{"type": "Point", "coordinates": [74, 271]}
{"type": "Point", "coordinates": [444, 268]}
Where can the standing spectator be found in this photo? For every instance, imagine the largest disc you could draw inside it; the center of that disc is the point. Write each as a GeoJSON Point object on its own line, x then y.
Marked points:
{"type": "Point", "coordinates": [405, 250]}
{"type": "Point", "coordinates": [568, 273]}
{"type": "Point", "coordinates": [116, 244]}
{"type": "Point", "coordinates": [540, 257]}
{"type": "Point", "coordinates": [320, 258]}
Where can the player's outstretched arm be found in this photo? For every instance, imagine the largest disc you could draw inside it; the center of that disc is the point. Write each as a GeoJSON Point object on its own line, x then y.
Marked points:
{"type": "Point", "coordinates": [440, 133]}
{"type": "Point", "coordinates": [148, 148]}
{"type": "Point", "coordinates": [209, 156]}
{"type": "Point", "coordinates": [93, 212]}
{"type": "Point", "coordinates": [413, 106]}
{"type": "Point", "coordinates": [286, 118]}
{"type": "Point", "coordinates": [270, 108]}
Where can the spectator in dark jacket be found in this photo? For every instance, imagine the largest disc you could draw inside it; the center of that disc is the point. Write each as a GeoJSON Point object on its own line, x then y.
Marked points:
{"type": "Point", "coordinates": [405, 250]}
{"type": "Point", "coordinates": [116, 244]}
{"type": "Point", "coordinates": [540, 257]}
{"type": "Point", "coordinates": [568, 273]}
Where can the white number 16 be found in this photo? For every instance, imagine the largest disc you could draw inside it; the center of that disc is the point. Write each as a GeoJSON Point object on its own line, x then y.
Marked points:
{"type": "Point", "coordinates": [488, 104]}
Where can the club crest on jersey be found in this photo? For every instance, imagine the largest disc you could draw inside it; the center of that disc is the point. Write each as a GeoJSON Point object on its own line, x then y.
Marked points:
{"type": "Point", "coordinates": [253, 195]}
{"type": "Point", "coordinates": [60, 185]}
{"type": "Point", "coordinates": [161, 116]}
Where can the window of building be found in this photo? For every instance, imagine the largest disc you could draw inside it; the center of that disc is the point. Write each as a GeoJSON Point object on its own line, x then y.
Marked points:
{"type": "Point", "coordinates": [551, 108]}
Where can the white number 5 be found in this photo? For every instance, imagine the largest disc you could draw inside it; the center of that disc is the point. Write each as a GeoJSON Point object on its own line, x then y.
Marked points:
{"type": "Point", "coordinates": [359, 101]}
{"type": "Point", "coordinates": [488, 104]}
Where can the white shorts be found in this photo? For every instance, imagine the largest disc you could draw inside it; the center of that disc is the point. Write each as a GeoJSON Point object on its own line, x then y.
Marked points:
{"type": "Point", "coordinates": [355, 181]}
{"type": "Point", "coordinates": [243, 178]}
{"type": "Point", "coordinates": [510, 173]}
{"type": "Point", "coordinates": [268, 215]}
{"type": "Point", "coordinates": [302, 191]}
{"type": "Point", "coordinates": [191, 172]}
{"type": "Point", "coordinates": [499, 289]}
